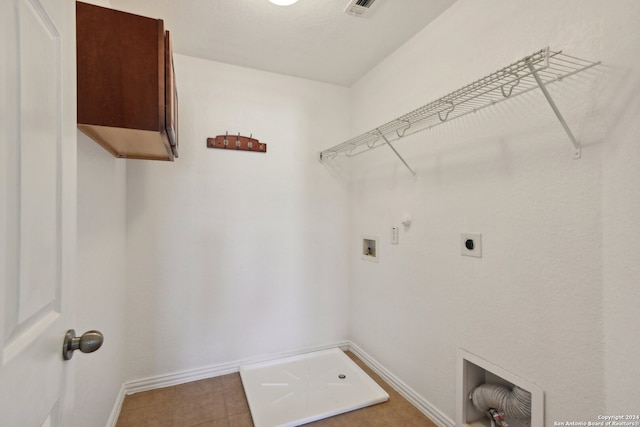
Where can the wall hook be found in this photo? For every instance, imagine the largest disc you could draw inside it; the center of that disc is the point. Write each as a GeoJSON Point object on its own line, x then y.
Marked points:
{"type": "Point", "coordinates": [242, 143]}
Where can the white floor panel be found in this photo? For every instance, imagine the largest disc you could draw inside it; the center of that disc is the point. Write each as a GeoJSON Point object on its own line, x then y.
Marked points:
{"type": "Point", "coordinates": [301, 389]}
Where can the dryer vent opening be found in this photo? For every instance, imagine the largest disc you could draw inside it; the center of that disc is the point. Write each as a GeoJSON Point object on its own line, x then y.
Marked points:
{"type": "Point", "coordinates": [489, 395]}
{"type": "Point", "coordinates": [500, 403]}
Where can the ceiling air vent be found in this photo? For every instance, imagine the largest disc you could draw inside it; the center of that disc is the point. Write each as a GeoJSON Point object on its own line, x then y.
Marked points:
{"type": "Point", "coordinates": [358, 7]}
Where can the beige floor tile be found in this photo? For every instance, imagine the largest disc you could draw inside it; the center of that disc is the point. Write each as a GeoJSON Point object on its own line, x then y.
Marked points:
{"type": "Point", "coordinates": [150, 415]}
{"type": "Point", "coordinates": [199, 387]}
{"type": "Point", "coordinates": [240, 420]}
{"type": "Point", "coordinates": [222, 422]}
{"type": "Point", "coordinates": [236, 401]}
{"type": "Point", "coordinates": [157, 397]}
{"type": "Point", "coordinates": [231, 381]}
{"type": "Point", "coordinates": [189, 410]}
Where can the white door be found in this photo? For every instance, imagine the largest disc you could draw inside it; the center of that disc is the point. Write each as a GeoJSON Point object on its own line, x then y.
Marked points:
{"type": "Point", "coordinates": [37, 209]}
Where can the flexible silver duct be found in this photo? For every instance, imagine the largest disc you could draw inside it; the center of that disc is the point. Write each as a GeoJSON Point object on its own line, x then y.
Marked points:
{"type": "Point", "coordinates": [514, 402]}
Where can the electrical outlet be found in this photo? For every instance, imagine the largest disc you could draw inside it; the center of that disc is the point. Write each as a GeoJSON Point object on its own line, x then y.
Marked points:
{"type": "Point", "coordinates": [471, 244]}
{"type": "Point", "coordinates": [394, 235]}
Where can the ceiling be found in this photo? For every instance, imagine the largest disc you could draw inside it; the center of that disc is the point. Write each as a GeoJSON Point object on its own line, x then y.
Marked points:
{"type": "Point", "coordinates": [312, 39]}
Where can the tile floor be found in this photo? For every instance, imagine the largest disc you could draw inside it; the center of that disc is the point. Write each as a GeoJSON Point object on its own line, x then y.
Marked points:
{"type": "Point", "coordinates": [220, 402]}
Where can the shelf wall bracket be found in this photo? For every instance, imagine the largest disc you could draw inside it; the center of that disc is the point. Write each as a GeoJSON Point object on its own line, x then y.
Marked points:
{"type": "Point", "coordinates": [577, 152]}
{"type": "Point", "coordinates": [397, 154]}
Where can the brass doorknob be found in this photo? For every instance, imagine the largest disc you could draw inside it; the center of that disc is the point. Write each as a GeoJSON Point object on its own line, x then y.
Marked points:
{"type": "Point", "coordinates": [89, 342]}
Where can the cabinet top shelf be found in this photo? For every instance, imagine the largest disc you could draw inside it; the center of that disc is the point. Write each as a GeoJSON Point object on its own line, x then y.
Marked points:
{"type": "Point", "coordinates": [506, 83]}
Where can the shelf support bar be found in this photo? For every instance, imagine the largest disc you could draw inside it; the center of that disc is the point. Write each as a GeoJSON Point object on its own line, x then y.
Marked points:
{"type": "Point", "coordinates": [397, 154]}
{"type": "Point", "coordinates": [577, 148]}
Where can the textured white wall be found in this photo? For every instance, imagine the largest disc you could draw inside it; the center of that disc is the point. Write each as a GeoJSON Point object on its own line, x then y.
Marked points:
{"type": "Point", "coordinates": [621, 207]}
{"type": "Point", "coordinates": [238, 254]}
{"type": "Point", "coordinates": [534, 303]}
{"type": "Point", "coordinates": [101, 281]}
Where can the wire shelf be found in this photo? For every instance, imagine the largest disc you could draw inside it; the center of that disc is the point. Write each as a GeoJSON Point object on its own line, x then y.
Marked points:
{"type": "Point", "coordinates": [531, 72]}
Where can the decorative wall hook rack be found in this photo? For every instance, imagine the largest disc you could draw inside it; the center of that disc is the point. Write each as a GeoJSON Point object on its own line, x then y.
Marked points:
{"type": "Point", "coordinates": [537, 70]}
{"type": "Point", "coordinates": [237, 142]}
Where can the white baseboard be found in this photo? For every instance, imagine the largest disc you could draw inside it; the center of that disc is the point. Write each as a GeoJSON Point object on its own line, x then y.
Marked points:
{"type": "Point", "coordinates": [167, 380]}
{"type": "Point", "coordinates": [407, 392]}
{"type": "Point", "coordinates": [160, 381]}
{"type": "Point", "coordinates": [115, 412]}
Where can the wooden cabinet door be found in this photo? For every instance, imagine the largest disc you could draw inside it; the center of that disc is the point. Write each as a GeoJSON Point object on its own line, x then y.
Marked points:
{"type": "Point", "coordinates": [122, 82]}
{"type": "Point", "coordinates": [171, 94]}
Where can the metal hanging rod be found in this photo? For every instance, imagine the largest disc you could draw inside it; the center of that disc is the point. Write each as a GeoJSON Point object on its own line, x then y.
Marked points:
{"type": "Point", "coordinates": [531, 72]}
